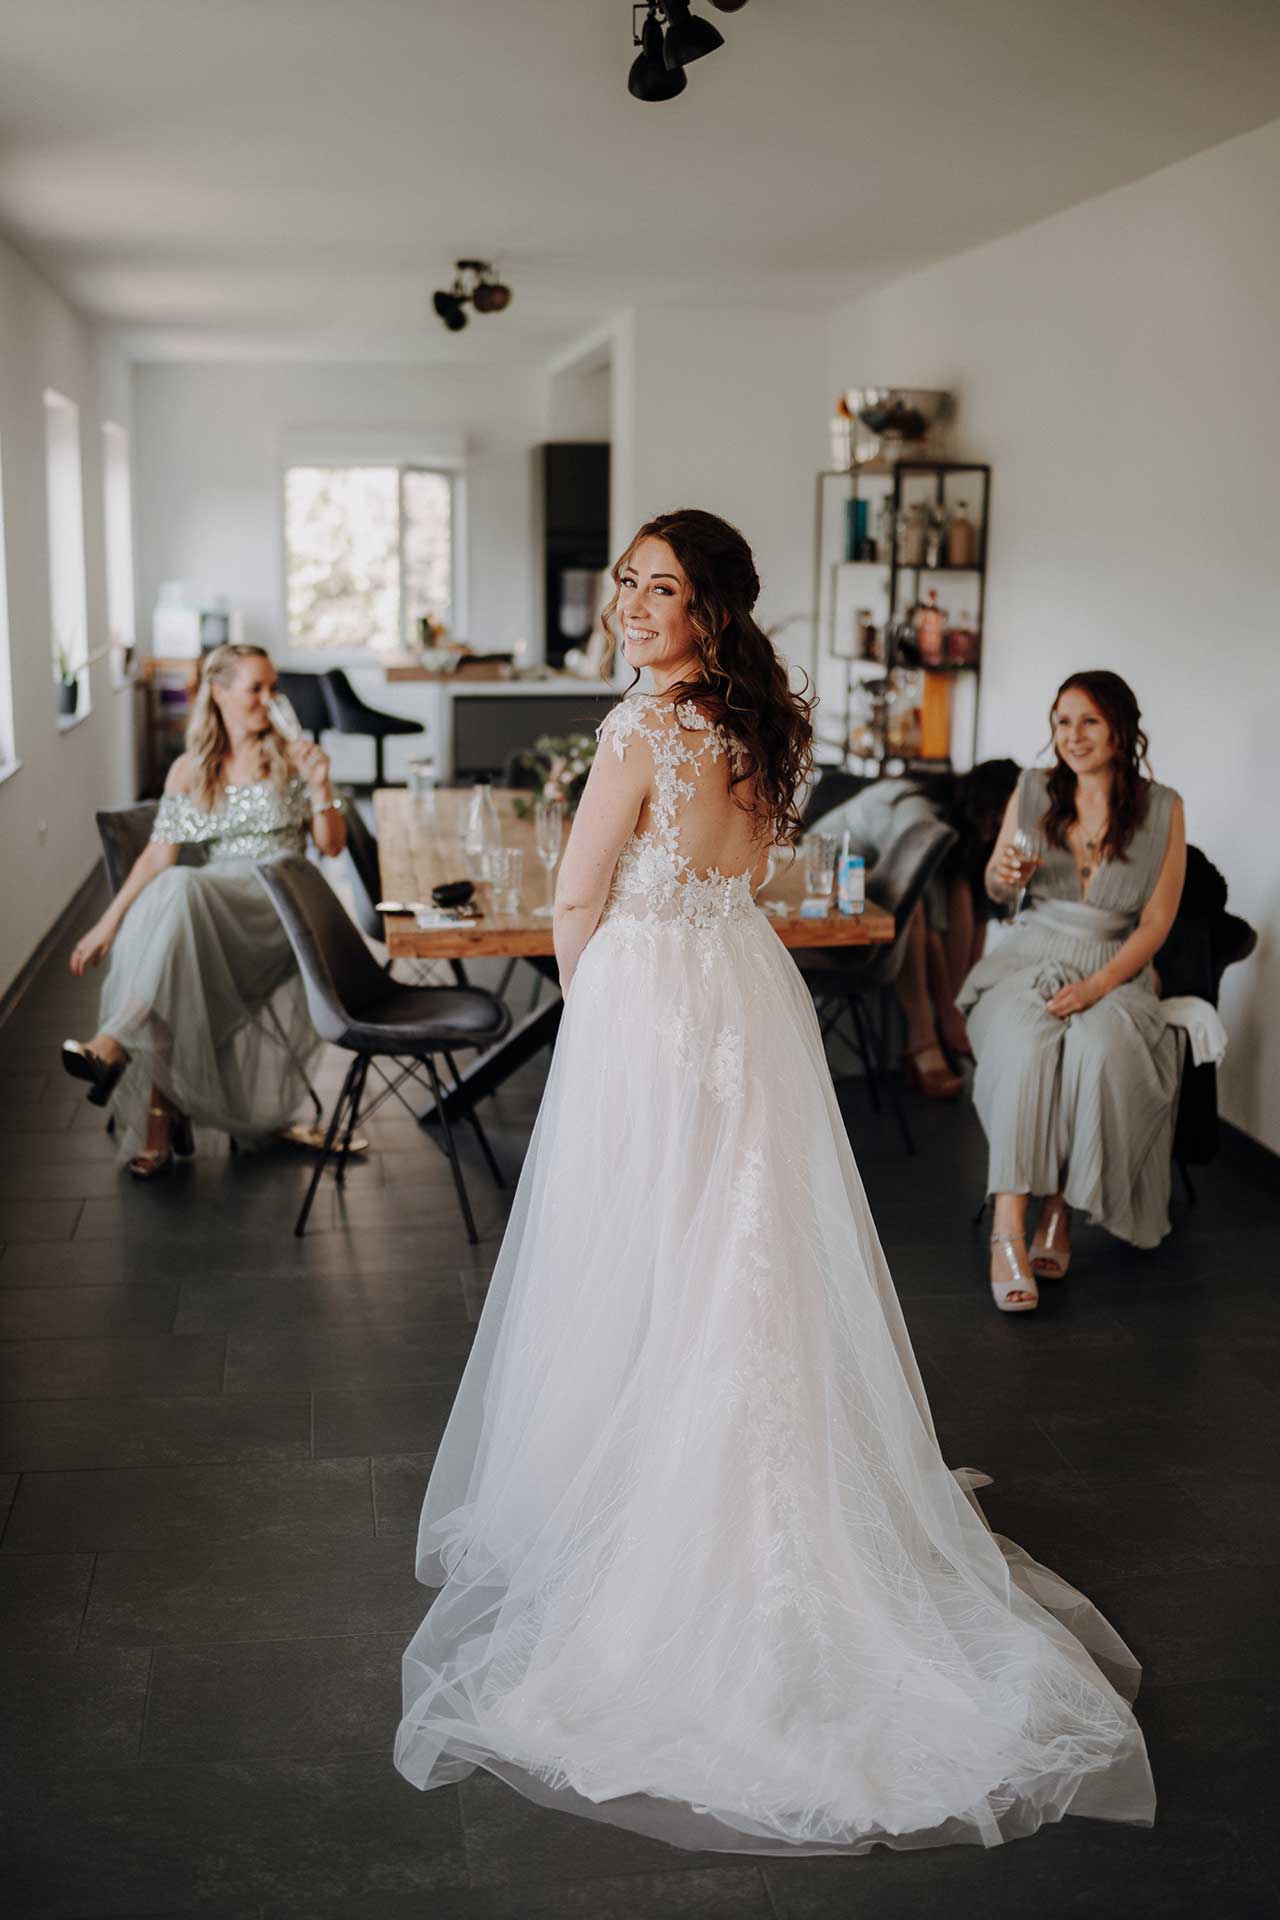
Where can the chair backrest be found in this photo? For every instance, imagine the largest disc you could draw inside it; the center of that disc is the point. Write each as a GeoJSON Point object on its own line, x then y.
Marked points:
{"type": "Point", "coordinates": [305, 695]}
{"type": "Point", "coordinates": [831, 789]}
{"type": "Point", "coordinates": [124, 832]}
{"type": "Point", "coordinates": [365, 871]}
{"type": "Point", "coordinates": [899, 878]}
{"type": "Point", "coordinates": [346, 708]}
{"type": "Point", "coordinates": [339, 973]}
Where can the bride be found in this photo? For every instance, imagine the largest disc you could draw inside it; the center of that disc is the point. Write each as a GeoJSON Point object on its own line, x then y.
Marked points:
{"type": "Point", "coordinates": [702, 1570]}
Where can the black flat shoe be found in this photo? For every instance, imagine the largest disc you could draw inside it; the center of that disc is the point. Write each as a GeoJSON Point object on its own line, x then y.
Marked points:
{"type": "Point", "coordinates": [83, 1065]}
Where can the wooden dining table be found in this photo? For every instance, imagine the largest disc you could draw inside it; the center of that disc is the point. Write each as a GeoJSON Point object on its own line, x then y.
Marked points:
{"type": "Point", "coordinates": [420, 847]}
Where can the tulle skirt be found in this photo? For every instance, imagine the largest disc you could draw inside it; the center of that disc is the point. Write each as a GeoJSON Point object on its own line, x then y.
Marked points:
{"type": "Point", "coordinates": [204, 994]}
{"type": "Point", "coordinates": [703, 1572]}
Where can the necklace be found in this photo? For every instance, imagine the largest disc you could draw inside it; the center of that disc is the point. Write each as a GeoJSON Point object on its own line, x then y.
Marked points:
{"type": "Point", "coordinates": [1090, 849]}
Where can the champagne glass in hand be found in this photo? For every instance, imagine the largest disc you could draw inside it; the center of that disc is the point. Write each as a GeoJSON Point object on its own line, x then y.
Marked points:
{"type": "Point", "coordinates": [283, 718]}
{"type": "Point", "coordinates": [1028, 847]}
{"type": "Point", "coordinates": [548, 826]}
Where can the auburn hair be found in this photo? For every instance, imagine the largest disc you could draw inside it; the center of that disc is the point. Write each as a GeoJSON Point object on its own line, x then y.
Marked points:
{"type": "Point", "coordinates": [739, 682]}
{"type": "Point", "coordinates": [1130, 792]}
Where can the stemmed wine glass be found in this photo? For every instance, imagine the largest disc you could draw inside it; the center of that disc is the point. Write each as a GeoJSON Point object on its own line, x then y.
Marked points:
{"type": "Point", "coordinates": [283, 718]}
{"type": "Point", "coordinates": [548, 827]}
{"type": "Point", "coordinates": [1028, 844]}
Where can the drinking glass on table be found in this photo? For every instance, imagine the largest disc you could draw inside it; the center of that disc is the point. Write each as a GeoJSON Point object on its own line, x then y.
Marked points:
{"type": "Point", "coordinates": [1028, 845]}
{"type": "Point", "coordinates": [422, 787]}
{"type": "Point", "coordinates": [818, 851]}
{"type": "Point", "coordinates": [506, 866]}
{"type": "Point", "coordinates": [548, 827]}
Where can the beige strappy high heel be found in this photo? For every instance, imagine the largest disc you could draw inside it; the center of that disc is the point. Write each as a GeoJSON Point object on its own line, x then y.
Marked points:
{"type": "Point", "coordinates": [153, 1161]}
{"type": "Point", "coordinates": [1051, 1248]}
{"type": "Point", "coordinates": [1019, 1281]}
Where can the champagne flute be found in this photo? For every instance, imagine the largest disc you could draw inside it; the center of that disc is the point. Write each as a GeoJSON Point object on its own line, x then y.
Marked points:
{"type": "Point", "coordinates": [1028, 844]}
{"type": "Point", "coordinates": [283, 718]}
{"type": "Point", "coordinates": [548, 827]}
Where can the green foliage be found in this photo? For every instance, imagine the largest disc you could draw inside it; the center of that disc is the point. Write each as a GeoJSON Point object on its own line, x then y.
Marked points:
{"type": "Point", "coordinates": [561, 763]}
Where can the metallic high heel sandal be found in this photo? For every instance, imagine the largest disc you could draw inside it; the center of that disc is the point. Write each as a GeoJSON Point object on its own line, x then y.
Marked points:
{"type": "Point", "coordinates": [1051, 1249]}
{"type": "Point", "coordinates": [152, 1162]}
{"type": "Point", "coordinates": [81, 1064]}
{"type": "Point", "coordinates": [1019, 1281]}
{"type": "Point", "coordinates": [935, 1083]}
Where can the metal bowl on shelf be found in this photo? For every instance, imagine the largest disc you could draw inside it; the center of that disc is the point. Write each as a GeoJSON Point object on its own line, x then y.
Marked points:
{"type": "Point", "coordinates": [893, 421]}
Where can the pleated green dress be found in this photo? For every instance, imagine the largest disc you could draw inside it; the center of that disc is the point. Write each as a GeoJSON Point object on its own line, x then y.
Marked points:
{"type": "Point", "coordinates": [203, 991]}
{"type": "Point", "coordinates": [1082, 1106]}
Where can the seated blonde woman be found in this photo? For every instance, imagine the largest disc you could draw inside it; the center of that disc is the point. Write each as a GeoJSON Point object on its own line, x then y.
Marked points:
{"type": "Point", "coordinates": [203, 1016]}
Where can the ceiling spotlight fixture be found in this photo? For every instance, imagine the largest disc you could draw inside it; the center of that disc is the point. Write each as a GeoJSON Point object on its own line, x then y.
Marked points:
{"type": "Point", "coordinates": [657, 72]}
{"type": "Point", "coordinates": [485, 293]}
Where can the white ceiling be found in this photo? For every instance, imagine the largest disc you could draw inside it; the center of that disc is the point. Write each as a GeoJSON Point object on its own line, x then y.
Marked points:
{"type": "Point", "coordinates": [250, 178]}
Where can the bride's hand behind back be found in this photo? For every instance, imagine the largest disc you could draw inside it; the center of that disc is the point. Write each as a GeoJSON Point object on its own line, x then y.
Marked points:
{"type": "Point", "coordinates": [92, 950]}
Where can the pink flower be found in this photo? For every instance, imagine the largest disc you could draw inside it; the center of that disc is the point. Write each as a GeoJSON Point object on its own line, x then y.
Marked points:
{"type": "Point", "coordinates": [551, 790]}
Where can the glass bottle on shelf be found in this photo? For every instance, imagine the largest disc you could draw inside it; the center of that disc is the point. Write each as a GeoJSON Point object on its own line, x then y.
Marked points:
{"type": "Point", "coordinates": [931, 625]}
{"type": "Point", "coordinates": [962, 538]}
{"type": "Point", "coordinates": [913, 535]}
{"type": "Point", "coordinates": [903, 726]}
{"type": "Point", "coordinates": [962, 642]}
{"type": "Point", "coordinates": [935, 717]}
{"type": "Point", "coordinates": [886, 531]}
{"type": "Point", "coordinates": [935, 537]}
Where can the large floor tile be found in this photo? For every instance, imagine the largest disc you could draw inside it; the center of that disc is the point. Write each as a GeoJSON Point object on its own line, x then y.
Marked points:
{"type": "Point", "coordinates": [381, 1420]}
{"type": "Point", "coordinates": [228, 1838]}
{"type": "Point", "coordinates": [159, 1431]}
{"type": "Point", "coordinates": [25, 1220]}
{"type": "Point", "coordinates": [145, 1363]}
{"type": "Point", "coordinates": [510, 1839]}
{"type": "Point", "coordinates": [155, 1508]}
{"type": "Point", "coordinates": [69, 1313]}
{"type": "Point", "coordinates": [271, 1302]}
{"type": "Point", "coordinates": [399, 1487]}
{"type": "Point", "coordinates": [317, 1699]}
{"type": "Point", "coordinates": [1107, 1530]}
{"type": "Point", "coordinates": [289, 1590]}
{"type": "Point", "coordinates": [433, 1350]}
{"type": "Point", "coordinates": [729, 1892]}
{"type": "Point", "coordinates": [1212, 1625]}
{"type": "Point", "coordinates": [65, 1711]}
{"type": "Point", "coordinates": [42, 1600]}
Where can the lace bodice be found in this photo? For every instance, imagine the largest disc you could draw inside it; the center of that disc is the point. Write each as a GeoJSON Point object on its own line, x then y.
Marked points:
{"type": "Point", "coordinates": [252, 822]}
{"type": "Point", "coordinates": [655, 880]}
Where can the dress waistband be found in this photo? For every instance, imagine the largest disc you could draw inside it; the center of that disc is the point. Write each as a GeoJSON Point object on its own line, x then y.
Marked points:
{"type": "Point", "coordinates": [1080, 920]}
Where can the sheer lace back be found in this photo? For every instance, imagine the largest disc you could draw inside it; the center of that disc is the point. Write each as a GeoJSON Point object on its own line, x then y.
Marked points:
{"type": "Point", "coordinates": [695, 849]}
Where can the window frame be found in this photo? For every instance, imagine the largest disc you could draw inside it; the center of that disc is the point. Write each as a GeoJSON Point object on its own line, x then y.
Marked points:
{"type": "Point", "coordinates": [9, 759]}
{"type": "Point", "coordinates": [307, 451]}
{"type": "Point", "coordinates": [119, 569]}
{"type": "Point", "coordinates": [64, 520]}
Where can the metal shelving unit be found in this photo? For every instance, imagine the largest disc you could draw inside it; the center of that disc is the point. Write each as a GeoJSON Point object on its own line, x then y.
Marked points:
{"type": "Point", "coordinates": [894, 586]}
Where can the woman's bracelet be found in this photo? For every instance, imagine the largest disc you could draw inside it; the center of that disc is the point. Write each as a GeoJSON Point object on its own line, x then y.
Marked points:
{"type": "Point", "coordinates": [330, 806]}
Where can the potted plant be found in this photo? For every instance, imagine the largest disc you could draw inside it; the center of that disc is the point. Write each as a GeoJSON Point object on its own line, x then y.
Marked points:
{"type": "Point", "coordinates": [68, 680]}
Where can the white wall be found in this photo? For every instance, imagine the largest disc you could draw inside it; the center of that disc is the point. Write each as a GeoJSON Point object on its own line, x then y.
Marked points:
{"type": "Point", "coordinates": [1117, 365]}
{"type": "Point", "coordinates": [47, 830]}
{"type": "Point", "coordinates": [725, 409]}
{"type": "Point", "coordinates": [210, 472]}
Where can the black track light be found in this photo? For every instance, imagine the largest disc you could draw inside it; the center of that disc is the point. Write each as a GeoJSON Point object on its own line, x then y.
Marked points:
{"type": "Point", "coordinates": [729, 6]}
{"type": "Point", "coordinates": [687, 37]}
{"type": "Point", "coordinates": [486, 294]}
{"type": "Point", "coordinates": [650, 77]}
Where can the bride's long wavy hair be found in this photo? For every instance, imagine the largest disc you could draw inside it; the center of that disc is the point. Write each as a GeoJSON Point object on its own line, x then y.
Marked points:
{"type": "Point", "coordinates": [739, 682]}
{"type": "Point", "coordinates": [208, 742]}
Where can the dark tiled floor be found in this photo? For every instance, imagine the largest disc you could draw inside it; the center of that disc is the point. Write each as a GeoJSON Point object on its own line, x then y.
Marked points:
{"type": "Point", "coordinates": [213, 1446]}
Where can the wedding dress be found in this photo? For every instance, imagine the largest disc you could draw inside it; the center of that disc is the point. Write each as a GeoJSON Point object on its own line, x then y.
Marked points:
{"type": "Point", "coordinates": [702, 1570]}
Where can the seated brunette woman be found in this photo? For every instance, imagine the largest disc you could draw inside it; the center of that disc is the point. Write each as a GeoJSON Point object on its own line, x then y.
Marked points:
{"type": "Point", "coordinates": [1077, 1072]}
{"type": "Point", "coordinates": [203, 1016]}
{"type": "Point", "coordinates": [946, 931]}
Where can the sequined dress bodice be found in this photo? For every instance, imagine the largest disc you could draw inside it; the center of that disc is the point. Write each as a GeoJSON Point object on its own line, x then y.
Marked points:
{"type": "Point", "coordinates": [253, 822]}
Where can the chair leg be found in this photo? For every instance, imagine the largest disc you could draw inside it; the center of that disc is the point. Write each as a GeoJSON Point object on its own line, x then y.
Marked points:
{"type": "Point", "coordinates": [1193, 1198]}
{"type": "Point", "coordinates": [450, 1149]}
{"type": "Point", "coordinates": [505, 981]}
{"type": "Point", "coordinates": [353, 1070]}
{"type": "Point", "coordinates": [459, 973]}
{"type": "Point", "coordinates": [379, 779]}
{"type": "Point", "coordinates": [866, 1046]}
{"type": "Point", "coordinates": [474, 1120]}
{"type": "Point", "coordinates": [536, 995]}
{"type": "Point", "coordinates": [353, 1114]}
{"type": "Point", "coordinates": [862, 1040]}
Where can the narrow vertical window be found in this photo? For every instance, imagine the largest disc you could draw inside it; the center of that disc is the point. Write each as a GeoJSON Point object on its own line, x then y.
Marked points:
{"type": "Point", "coordinates": [8, 745]}
{"type": "Point", "coordinates": [117, 520]}
{"type": "Point", "coordinates": [67, 604]}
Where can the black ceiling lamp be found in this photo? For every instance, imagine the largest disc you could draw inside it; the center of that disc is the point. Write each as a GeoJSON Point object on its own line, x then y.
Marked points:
{"type": "Point", "coordinates": [657, 72]}
{"type": "Point", "coordinates": [486, 294]}
{"type": "Point", "coordinates": [687, 37]}
{"type": "Point", "coordinates": [650, 78]}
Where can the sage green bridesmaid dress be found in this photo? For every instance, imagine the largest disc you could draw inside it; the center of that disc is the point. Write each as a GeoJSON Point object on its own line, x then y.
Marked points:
{"type": "Point", "coordinates": [202, 989]}
{"type": "Point", "coordinates": [1083, 1106]}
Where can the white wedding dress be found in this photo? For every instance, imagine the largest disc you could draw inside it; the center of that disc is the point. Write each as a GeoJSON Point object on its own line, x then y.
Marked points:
{"type": "Point", "coordinates": [703, 1571]}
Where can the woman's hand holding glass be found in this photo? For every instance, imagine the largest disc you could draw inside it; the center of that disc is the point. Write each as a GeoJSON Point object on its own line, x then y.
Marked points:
{"type": "Point", "coordinates": [311, 763]}
{"type": "Point", "coordinates": [548, 826]}
{"type": "Point", "coordinates": [1018, 863]}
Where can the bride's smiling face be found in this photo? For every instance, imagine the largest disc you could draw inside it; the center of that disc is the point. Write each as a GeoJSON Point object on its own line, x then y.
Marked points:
{"type": "Point", "coordinates": [653, 617]}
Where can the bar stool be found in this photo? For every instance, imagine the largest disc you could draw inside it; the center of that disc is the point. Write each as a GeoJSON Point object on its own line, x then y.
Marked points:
{"type": "Point", "coordinates": [349, 714]}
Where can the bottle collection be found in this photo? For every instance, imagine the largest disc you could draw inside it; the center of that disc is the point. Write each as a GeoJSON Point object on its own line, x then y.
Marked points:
{"type": "Point", "coordinates": [919, 534]}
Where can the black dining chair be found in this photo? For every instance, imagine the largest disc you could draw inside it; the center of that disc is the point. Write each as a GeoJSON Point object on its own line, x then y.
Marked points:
{"type": "Point", "coordinates": [124, 832]}
{"type": "Point", "coordinates": [841, 978]}
{"type": "Point", "coordinates": [305, 695]}
{"type": "Point", "coordinates": [356, 1006]}
{"type": "Point", "coordinates": [349, 714]}
{"type": "Point", "coordinates": [365, 871]}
